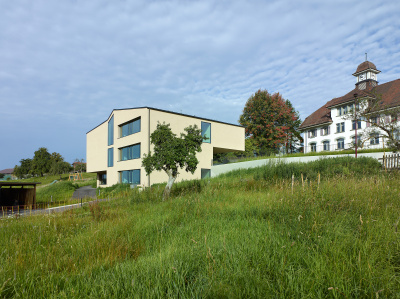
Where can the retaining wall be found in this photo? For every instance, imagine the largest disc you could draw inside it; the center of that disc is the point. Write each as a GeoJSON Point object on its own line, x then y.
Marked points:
{"type": "Point", "coordinates": [219, 169]}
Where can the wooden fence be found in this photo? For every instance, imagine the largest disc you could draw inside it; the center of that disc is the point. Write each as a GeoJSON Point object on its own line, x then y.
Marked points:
{"type": "Point", "coordinates": [390, 161]}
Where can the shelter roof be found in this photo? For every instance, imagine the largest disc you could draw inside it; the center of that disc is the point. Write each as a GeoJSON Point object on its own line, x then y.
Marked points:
{"type": "Point", "coordinates": [7, 171]}
{"type": "Point", "coordinates": [16, 184]}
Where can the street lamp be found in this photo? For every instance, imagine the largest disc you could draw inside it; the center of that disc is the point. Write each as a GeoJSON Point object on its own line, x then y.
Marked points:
{"type": "Point", "coordinates": [355, 121]}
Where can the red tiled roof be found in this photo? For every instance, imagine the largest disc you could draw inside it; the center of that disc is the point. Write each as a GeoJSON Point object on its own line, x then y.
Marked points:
{"type": "Point", "coordinates": [365, 66]}
{"type": "Point", "coordinates": [322, 115]}
{"type": "Point", "coordinates": [389, 93]}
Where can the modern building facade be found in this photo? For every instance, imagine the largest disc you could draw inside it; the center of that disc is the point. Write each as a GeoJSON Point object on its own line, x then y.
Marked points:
{"type": "Point", "coordinates": [115, 148]}
{"type": "Point", "coordinates": [328, 128]}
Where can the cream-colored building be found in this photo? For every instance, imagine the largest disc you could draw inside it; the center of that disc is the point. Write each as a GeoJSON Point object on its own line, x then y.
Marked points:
{"type": "Point", "coordinates": [115, 148]}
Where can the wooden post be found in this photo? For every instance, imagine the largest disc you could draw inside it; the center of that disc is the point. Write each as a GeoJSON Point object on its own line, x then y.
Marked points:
{"type": "Point", "coordinates": [292, 182]}
{"type": "Point", "coordinates": [384, 160]}
{"type": "Point", "coordinates": [319, 177]}
{"type": "Point", "coordinates": [302, 182]}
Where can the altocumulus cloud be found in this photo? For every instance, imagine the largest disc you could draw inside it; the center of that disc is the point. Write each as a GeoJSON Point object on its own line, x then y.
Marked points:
{"type": "Point", "coordinates": [64, 65]}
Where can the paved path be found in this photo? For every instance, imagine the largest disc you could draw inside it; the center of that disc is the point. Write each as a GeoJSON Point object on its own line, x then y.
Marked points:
{"type": "Point", "coordinates": [84, 192]}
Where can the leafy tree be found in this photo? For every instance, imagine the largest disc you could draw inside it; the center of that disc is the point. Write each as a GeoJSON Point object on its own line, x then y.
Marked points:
{"type": "Point", "coordinates": [382, 120]}
{"type": "Point", "coordinates": [60, 167]}
{"type": "Point", "coordinates": [24, 169]}
{"type": "Point", "coordinates": [2, 175]}
{"type": "Point", "coordinates": [56, 157]}
{"type": "Point", "coordinates": [269, 120]}
{"type": "Point", "coordinates": [41, 162]}
{"type": "Point", "coordinates": [294, 138]}
{"type": "Point", "coordinates": [172, 153]}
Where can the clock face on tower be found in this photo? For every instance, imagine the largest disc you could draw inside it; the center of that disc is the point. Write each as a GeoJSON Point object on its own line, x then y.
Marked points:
{"type": "Point", "coordinates": [361, 77]}
{"type": "Point", "coordinates": [373, 76]}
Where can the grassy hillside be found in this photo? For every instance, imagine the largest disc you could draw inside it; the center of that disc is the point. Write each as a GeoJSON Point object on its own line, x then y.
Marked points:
{"type": "Point", "coordinates": [245, 234]}
{"type": "Point", "coordinates": [47, 179]}
{"type": "Point", "coordinates": [52, 188]}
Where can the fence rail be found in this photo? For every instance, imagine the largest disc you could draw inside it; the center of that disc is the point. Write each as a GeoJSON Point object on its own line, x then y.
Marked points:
{"type": "Point", "coordinates": [47, 207]}
{"type": "Point", "coordinates": [391, 161]}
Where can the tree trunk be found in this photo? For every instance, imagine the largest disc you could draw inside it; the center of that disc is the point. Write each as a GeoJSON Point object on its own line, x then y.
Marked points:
{"type": "Point", "coordinates": [167, 190]}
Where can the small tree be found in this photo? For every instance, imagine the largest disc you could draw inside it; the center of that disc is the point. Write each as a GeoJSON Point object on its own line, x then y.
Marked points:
{"type": "Point", "coordinates": [172, 153]}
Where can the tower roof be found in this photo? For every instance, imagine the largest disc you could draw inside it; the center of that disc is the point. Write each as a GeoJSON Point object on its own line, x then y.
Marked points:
{"type": "Point", "coordinates": [365, 66]}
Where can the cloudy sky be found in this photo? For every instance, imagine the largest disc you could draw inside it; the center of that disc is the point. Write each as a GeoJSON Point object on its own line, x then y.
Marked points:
{"type": "Point", "coordinates": [64, 65]}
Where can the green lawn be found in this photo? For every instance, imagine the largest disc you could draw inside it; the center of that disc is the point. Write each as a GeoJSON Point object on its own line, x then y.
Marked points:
{"type": "Point", "coordinates": [248, 233]}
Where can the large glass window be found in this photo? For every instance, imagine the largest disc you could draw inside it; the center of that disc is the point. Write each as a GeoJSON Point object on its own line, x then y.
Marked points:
{"type": "Point", "coordinates": [111, 131]}
{"type": "Point", "coordinates": [130, 176]}
{"type": "Point", "coordinates": [103, 179]}
{"type": "Point", "coordinates": [313, 147]}
{"type": "Point", "coordinates": [130, 128]}
{"type": "Point", "coordinates": [340, 143]}
{"type": "Point", "coordinates": [129, 152]}
{"type": "Point", "coordinates": [206, 131]}
{"type": "Point", "coordinates": [110, 157]}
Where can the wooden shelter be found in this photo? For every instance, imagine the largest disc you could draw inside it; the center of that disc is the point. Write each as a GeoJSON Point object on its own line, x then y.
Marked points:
{"type": "Point", "coordinates": [18, 194]}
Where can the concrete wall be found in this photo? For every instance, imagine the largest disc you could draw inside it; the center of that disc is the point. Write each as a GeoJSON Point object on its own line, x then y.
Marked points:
{"type": "Point", "coordinates": [219, 169]}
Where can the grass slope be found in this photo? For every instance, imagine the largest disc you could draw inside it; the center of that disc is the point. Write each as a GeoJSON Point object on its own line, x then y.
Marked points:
{"type": "Point", "coordinates": [244, 234]}
{"type": "Point", "coordinates": [60, 191]}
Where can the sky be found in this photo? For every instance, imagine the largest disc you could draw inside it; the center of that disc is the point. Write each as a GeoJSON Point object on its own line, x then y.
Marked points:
{"type": "Point", "coordinates": [66, 64]}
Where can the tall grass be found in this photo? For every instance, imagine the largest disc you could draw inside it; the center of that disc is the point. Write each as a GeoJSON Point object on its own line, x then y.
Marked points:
{"type": "Point", "coordinates": [323, 153]}
{"type": "Point", "coordinates": [235, 236]}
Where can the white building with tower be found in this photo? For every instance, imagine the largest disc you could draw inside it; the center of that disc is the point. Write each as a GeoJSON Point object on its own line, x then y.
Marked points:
{"type": "Point", "coordinates": [329, 128]}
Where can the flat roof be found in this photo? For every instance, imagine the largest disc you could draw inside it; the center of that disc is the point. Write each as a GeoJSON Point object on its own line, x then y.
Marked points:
{"type": "Point", "coordinates": [166, 111]}
{"type": "Point", "coordinates": [17, 184]}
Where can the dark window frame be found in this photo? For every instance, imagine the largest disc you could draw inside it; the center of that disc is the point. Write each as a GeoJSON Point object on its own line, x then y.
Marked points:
{"type": "Point", "coordinates": [110, 157]}
{"type": "Point", "coordinates": [110, 140]}
{"type": "Point", "coordinates": [130, 175]}
{"type": "Point", "coordinates": [204, 129]}
{"type": "Point", "coordinates": [129, 157]}
{"type": "Point", "coordinates": [130, 130]}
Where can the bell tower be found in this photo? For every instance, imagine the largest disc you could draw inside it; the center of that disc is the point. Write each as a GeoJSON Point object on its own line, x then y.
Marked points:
{"type": "Point", "coordinates": [367, 75]}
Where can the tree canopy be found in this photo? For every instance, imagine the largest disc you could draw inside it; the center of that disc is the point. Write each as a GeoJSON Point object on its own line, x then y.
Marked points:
{"type": "Point", "coordinates": [270, 120]}
{"type": "Point", "coordinates": [24, 169]}
{"type": "Point", "coordinates": [41, 162]}
{"type": "Point", "coordinates": [172, 153]}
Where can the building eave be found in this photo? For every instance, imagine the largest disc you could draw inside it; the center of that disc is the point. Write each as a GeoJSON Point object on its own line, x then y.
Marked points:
{"type": "Point", "coordinates": [166, 111]}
